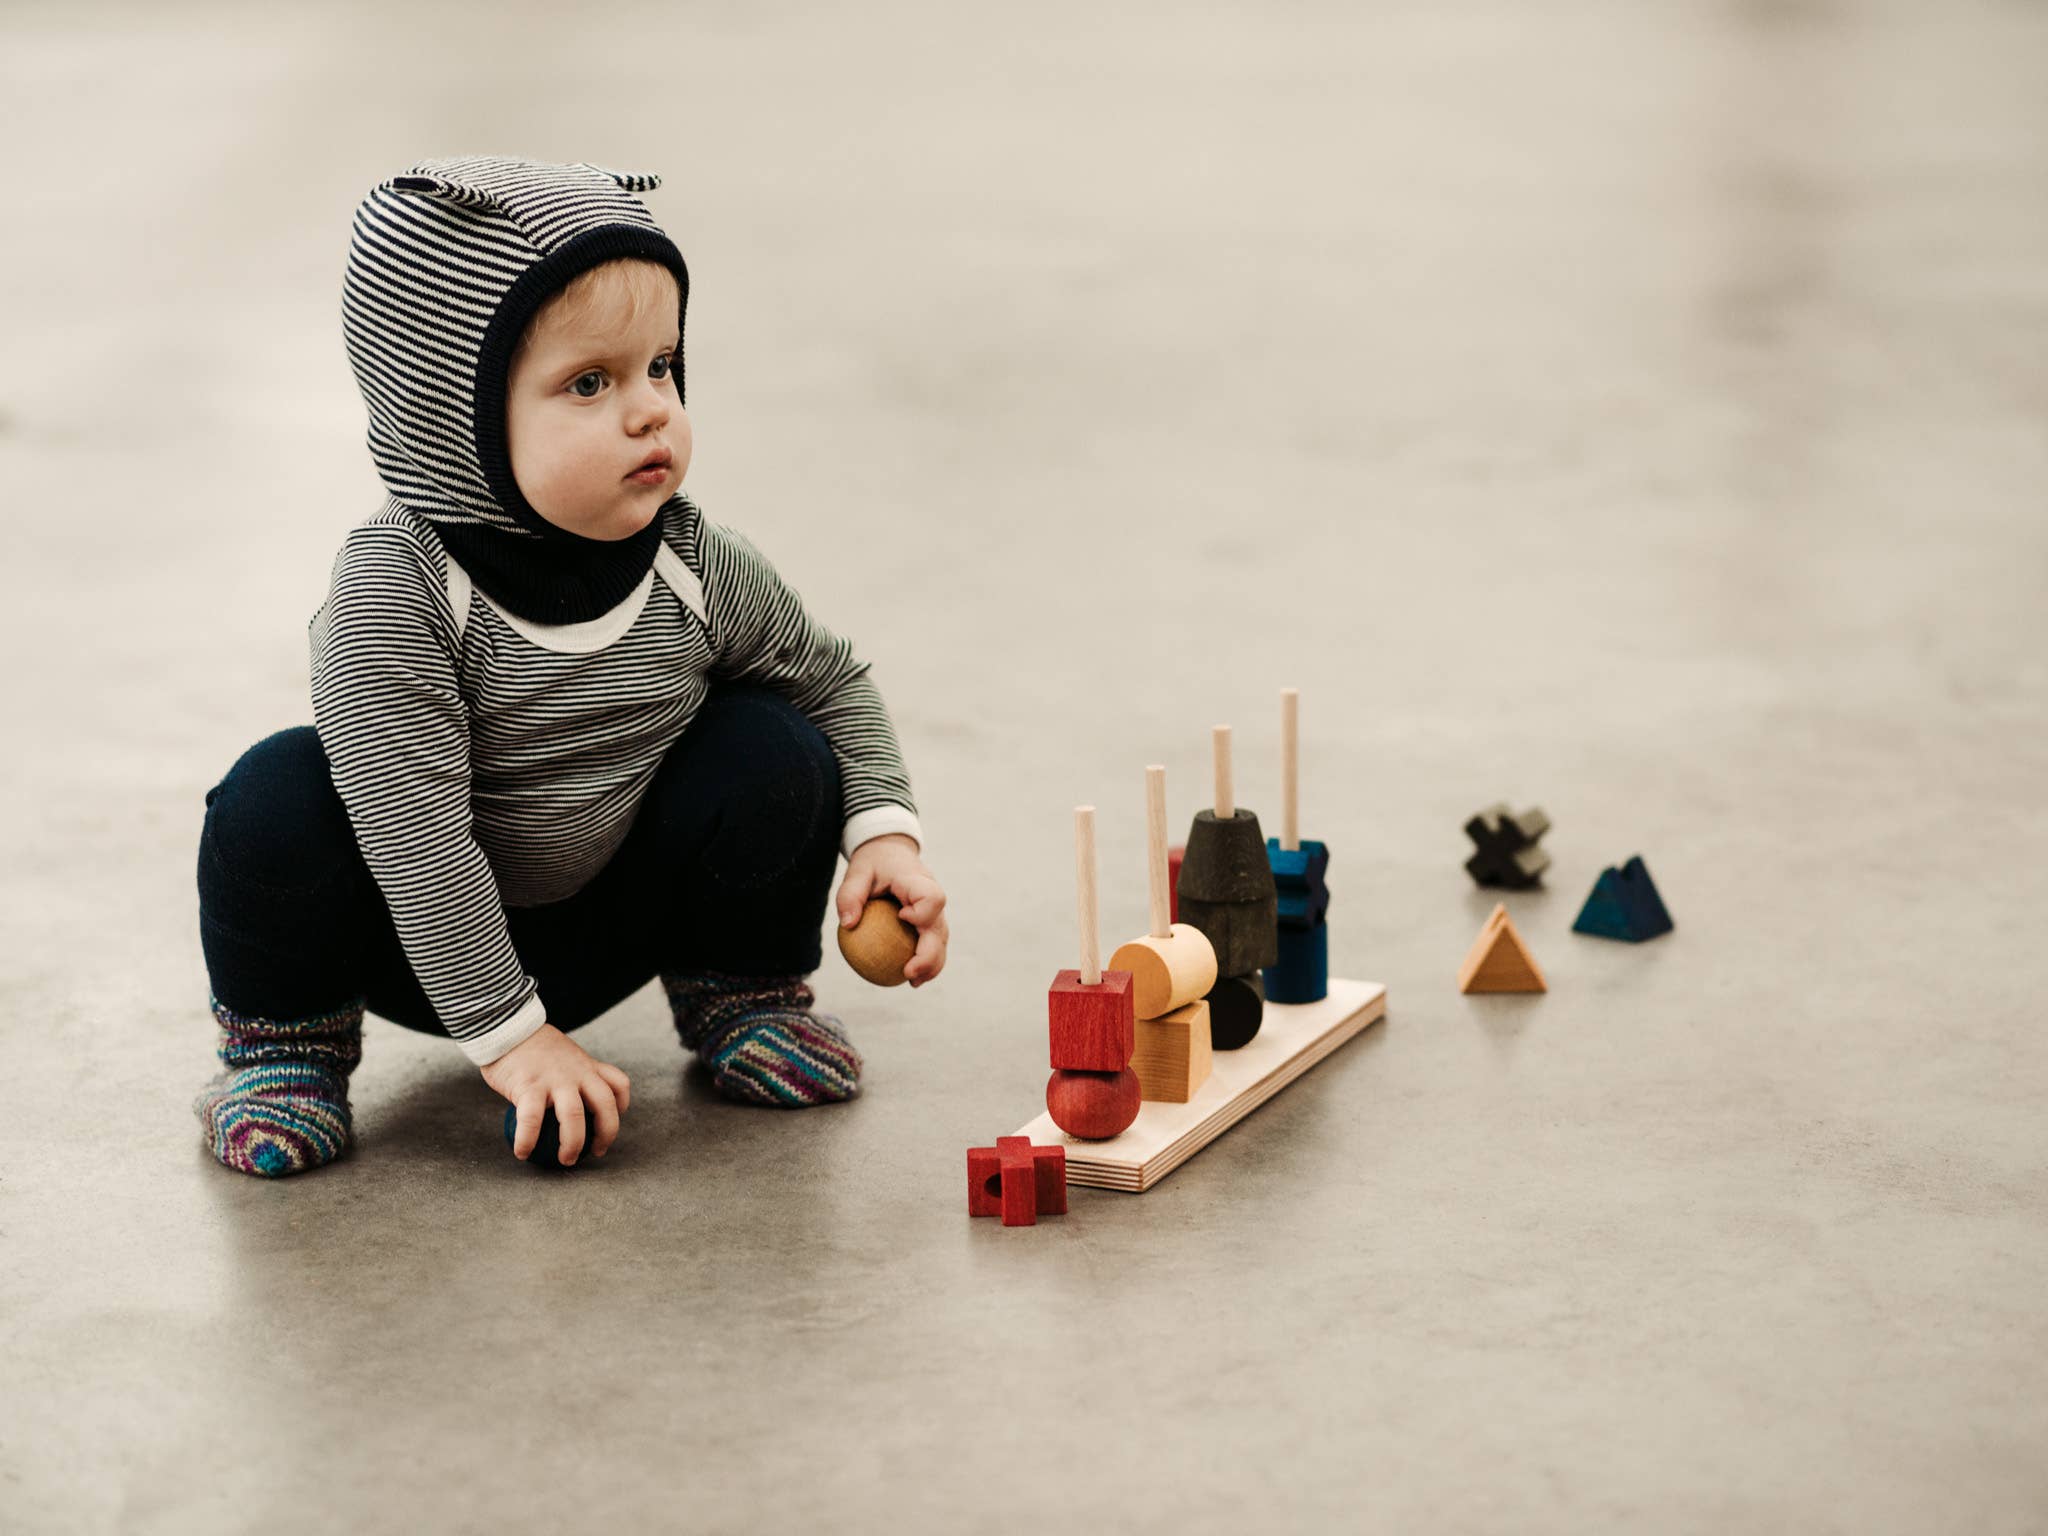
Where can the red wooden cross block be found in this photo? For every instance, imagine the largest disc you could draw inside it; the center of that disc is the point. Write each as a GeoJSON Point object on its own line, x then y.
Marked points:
{"type": "Point", "coordinates": [1094, 1029]}
{"type": "Point", "coordinates": [1016, 1181]}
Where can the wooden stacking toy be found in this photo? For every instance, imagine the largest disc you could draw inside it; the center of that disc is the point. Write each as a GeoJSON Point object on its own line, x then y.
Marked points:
{"type": "Point", "coordinates": [1172, 969]}
{"type": "Point", "coordinates": [1499, 961]}
{"type": "Point", "coordinates": [1227, 891]}
{"type": "Point", "coordinates": [1227, 888]}
{"type": "Point", "coordinates": [880, 944]}
{"type": "Point", "coordinates": [1017, 1181]}
{"type": "Point", "coordinates": [1302, 972]}
{"type": "Point", "coordinates": [1092, 1094]}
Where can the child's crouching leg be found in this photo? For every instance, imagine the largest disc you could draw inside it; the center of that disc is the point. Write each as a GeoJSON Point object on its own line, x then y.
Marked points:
{"type": "Point", "coordinates": [282, 897]}
{"type": "Point", "coordinates": [752, 805]}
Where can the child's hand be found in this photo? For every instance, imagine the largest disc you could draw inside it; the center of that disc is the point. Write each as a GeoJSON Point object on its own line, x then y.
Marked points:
{"type": "Point", "coordinates": [890, 863]}
{"type": "Point", "coordinates": [547, 1067]}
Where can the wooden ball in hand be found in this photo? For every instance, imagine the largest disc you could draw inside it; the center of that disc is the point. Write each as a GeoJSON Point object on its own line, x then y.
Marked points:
{"type": "Point", "coordinates": [547, 1152]}
{"type": "Point", "coordinates": [880, 944]}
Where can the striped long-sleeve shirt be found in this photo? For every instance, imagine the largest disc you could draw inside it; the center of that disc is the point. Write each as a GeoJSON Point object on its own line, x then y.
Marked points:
{"type": "Point", "coordinates": [488, 761]}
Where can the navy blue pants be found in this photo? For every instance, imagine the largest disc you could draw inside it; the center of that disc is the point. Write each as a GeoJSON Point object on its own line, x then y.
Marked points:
{"type": "Point", "coordinates": [727, 867]}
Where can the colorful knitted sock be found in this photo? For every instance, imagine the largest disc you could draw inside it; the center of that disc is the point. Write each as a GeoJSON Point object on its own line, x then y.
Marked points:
{"type": "Point", "coordinates": [760, 1039]}
{"type": "Point", "coordinates": [282, 1104]}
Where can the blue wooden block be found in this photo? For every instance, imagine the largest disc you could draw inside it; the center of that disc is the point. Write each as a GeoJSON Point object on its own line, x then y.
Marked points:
{"type": "Point", "coordinates": [1296, 911]}
{"type": "Point", "coordinates": [1624, 904]}
{"type": "Point", "coordinates": [1303, 972]}
{"type": "Point", "coordinates": [1298, 881]}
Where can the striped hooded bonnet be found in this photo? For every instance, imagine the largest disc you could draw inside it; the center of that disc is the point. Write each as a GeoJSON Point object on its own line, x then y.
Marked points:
{"type": "Point", "coordinates": [446, 264]}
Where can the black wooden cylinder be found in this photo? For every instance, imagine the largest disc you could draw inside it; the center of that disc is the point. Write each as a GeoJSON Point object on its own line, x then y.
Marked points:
{"type": "Point", "coordinates": [1237, 1006]}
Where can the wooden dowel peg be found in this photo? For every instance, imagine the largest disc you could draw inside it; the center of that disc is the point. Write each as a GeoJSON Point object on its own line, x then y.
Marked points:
{"type": "Point", "coordinates": [1155, 849]}
{"type": "Point", "coordinates": [1226, 803]}
{"type": "Point", "coordinates": [1084, 884]}
{"type": "Point", "coordinates": [1290, 759]}
{"type": "Point", "coordinates": [1174, 964]}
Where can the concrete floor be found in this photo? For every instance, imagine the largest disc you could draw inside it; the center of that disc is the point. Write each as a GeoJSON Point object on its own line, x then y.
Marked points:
{"type": "Point", "coordinates": [1639, 411]}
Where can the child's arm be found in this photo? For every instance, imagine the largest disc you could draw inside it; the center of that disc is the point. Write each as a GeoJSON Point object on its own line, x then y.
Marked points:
{"type": "Point", "coordinates": [761, 632]}
{"type": "Point", "coordinates": [392, 719]}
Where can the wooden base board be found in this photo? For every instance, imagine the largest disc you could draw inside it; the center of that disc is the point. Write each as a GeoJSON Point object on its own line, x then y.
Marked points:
{"type": "Point", "coordinates": [1293, 1038]}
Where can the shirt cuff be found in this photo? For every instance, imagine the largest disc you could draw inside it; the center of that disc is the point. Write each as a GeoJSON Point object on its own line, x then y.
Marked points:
{"type": "Point", "coordinates": [494, 1042]}
{"type": "Point", "coordinates": [879, 821]}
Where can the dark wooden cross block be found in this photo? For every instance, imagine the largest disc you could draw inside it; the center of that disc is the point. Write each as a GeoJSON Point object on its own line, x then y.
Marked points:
{"type": "Point", "coordinates": [1508, 856]}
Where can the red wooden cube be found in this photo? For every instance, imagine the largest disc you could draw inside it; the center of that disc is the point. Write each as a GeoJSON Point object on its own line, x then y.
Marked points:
{"type": "Point", "coordinates": [1016, 1181]}
{"type": "Point", "coordinates": [1094, 1029]}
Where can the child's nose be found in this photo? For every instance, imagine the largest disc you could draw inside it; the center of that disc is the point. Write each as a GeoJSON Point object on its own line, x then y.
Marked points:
{"type": "Point", "coordinates": [651, 401]}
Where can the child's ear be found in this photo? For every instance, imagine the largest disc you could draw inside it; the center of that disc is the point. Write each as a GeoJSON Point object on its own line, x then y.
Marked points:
{"type": "Point", "coordinates": [632, 181]}
{"type": "Point", "coordinates": [475, 197]}
{"type": "Point", "coordinates": [437, 186]}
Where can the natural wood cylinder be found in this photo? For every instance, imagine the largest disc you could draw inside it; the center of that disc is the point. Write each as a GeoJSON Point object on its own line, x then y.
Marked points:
{"type": "Point", "coordinates": [1167, 973]}
{"type": "Point", "coordinates": [880, 944]}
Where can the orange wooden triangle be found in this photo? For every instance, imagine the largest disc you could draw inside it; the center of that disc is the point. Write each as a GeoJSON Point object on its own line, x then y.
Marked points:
{"type": "Point", "coordinates": [1499, 961]}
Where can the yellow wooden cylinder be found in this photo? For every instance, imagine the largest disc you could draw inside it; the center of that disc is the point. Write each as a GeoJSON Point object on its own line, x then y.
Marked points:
{"type": "Point", "coordinates": [1167, 973]}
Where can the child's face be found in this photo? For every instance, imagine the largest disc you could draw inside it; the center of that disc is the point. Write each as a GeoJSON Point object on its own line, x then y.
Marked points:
{"type": "Point", "coordinates": [584, 406]}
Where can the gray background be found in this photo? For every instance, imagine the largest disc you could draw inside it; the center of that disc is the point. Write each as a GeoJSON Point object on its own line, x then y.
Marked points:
{"type": "Point", "coordinates": [1636, 410]}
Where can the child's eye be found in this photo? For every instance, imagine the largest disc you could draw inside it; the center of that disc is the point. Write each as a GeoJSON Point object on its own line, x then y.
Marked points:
{"type": "Point", "coordinates": [659, 368]}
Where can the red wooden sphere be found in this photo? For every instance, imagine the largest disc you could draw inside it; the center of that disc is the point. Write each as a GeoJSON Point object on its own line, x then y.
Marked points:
{"type": "Point", "coordinates": [1093, 1106]}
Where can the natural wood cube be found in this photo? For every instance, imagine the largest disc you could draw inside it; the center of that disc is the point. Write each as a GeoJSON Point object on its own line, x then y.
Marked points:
{"type": "Point", "coordinates": [1173, 1056]}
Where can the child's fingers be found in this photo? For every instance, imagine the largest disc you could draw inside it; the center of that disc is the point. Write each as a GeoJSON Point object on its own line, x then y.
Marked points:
{"type": "Point", "coordinates": [929, 958]}
{"type": "Point", "coordinates": [569, 1120]}
{"type": "Point", "coordinates": [923, 901]}
{"type": "Point", "coordinates": [532, 1109]}
{"type": "Point", "coordinates": [604, 1106]}
{"type": "Point", "coordinates": [853, 895]}
{"type": "Point", "coordinates": [622, 1085]}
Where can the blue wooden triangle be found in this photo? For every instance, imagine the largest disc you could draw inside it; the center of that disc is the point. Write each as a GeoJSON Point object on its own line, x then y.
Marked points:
{"type": "Point", "coordinates": [1647, 916]}
{"type": "Point", "coordinates": [1624, 904]}
{"type": "Point", "coordinates": [1605, 914]}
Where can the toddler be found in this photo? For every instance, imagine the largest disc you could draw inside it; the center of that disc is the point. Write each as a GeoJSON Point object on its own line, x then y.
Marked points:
{"type": "Point", "coordinates": [568, 733]}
